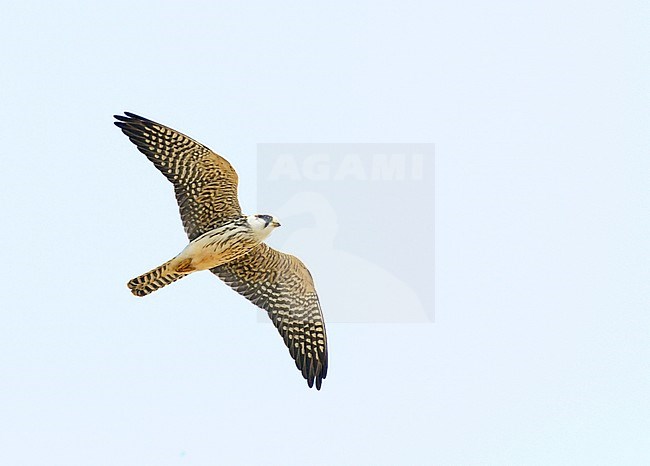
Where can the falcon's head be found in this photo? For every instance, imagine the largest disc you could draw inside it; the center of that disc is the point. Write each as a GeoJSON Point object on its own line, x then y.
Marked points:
{"type": "Point", "coordinates": [263, 224]}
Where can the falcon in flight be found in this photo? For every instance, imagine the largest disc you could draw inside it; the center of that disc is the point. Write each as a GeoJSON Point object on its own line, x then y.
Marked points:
{"type": "Point", "coordinates": [230, 244]}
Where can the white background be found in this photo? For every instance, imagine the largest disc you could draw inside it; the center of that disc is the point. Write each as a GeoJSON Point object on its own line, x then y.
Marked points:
{"type": "Point", "coordinates": [540, 349]}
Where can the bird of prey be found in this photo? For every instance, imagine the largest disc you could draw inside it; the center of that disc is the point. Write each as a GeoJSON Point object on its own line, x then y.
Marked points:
{"type": "Point", "coordinates": [230, 244]}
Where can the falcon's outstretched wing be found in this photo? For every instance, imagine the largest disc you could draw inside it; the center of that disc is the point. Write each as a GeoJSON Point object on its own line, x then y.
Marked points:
{"type": "Point", "coordinates": [204, 182]}
{"type": "Point", "coordinates": [281, 285]}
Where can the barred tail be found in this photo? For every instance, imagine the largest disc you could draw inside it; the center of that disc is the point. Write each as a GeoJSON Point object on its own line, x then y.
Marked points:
{"type": "Point", "coordinates": [154, 280]}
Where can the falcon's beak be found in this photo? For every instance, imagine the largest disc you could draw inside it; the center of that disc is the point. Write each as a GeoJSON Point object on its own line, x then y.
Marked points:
{"type": "Point", "coordinates": [275, 224]}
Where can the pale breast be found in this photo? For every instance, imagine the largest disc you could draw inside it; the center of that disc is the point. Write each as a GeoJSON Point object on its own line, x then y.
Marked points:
{"type": "Point", "coordinates": [218, 246]}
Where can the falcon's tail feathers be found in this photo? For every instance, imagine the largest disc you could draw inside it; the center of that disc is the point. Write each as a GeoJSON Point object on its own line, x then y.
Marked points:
{"type": "Point", "coordinates": [154, 279]}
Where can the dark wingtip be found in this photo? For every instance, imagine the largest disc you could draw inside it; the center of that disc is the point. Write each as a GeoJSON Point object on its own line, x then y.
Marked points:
{"type": "Point", "coordinates": [136, 117]}
{"type": "Point", "coordinates": [130, 116]}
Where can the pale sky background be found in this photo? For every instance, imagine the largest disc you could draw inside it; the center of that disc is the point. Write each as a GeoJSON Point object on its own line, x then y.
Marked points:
{"type": "Point", "coordinates": [540, 350]}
